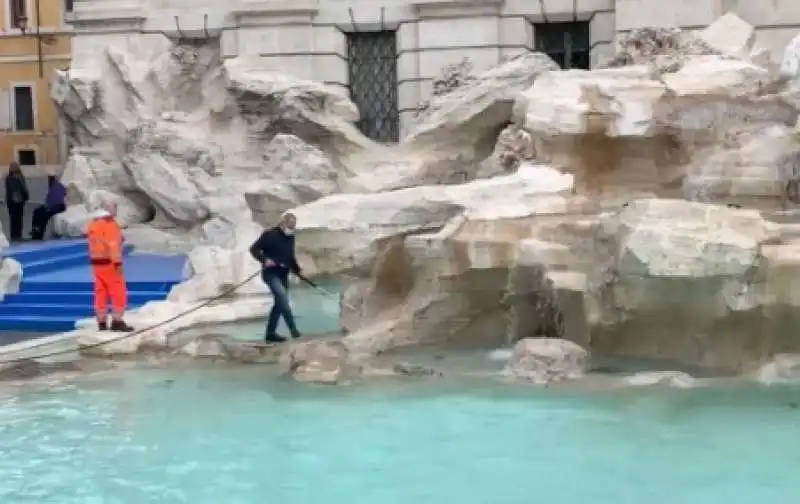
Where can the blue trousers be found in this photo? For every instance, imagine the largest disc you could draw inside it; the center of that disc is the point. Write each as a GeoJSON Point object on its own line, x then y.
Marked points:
{"type": "Point", "coordinates": [279, 287]}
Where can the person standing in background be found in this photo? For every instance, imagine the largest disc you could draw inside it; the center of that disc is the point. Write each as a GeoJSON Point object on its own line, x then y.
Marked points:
{"type": "Point", "coordinates": [105, 252]}
{"type": "Point", "coordinates": [16, 197]}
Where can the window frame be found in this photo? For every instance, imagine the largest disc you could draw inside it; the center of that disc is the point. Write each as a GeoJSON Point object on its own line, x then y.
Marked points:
{"type": "Point", "coordinates": [32, 148]}
{"type": "Point", "coordinates": [570, 28]}
{"type": "Point", "coordinates": [10, 20]}
{"type": "Point", "coordinates": [13, 106]}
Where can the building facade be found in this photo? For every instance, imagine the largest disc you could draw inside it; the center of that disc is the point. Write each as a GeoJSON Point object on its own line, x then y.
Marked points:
{"type": "Point", "coordinates": [387, 53]}
{"type": "Point", "coordinates": [34, 40]}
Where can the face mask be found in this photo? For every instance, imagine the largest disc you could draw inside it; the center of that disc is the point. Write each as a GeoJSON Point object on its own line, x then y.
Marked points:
{"type": "Point", "coordinates": [288, 232]}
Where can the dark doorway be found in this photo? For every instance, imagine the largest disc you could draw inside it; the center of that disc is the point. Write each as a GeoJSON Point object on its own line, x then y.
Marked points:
{"type": "Point", "coordinates": [372, 68]}
{"type": "Point", "coordinates": [568, 44]}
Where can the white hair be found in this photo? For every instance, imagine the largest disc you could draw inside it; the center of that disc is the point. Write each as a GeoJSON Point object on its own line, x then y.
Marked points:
{"type": "Point", "coordinates": [104, 208]}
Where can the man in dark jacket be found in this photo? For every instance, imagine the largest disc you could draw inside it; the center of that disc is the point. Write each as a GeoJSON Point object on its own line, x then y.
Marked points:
{"type": "Point", "coordinates": [274, 249]}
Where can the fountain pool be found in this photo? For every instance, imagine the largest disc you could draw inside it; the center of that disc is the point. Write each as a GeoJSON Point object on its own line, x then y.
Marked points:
{"type": "Point", "coordinates": [243, 436]}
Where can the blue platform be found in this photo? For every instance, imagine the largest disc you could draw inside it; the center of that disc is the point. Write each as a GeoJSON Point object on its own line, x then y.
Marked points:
{"type": "Point", "coordinates": [57, 288]}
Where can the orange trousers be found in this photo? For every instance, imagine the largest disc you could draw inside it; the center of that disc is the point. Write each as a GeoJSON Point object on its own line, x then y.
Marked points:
{"type": "Point", "coordinates": [109, 282]}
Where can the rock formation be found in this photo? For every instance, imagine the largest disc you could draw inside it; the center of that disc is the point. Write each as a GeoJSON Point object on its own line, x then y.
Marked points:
{"type": "Point", "coordinates": [652, 224]}
{"type": "Point", "coordinates": [320, 362]}
{"type": "Point", "coordinates": [177, 136]}
{"type": "Point", "coordinates": [10, 270]}
{"type": "Point", "coordinates": [640, 209]}
{"type": "Point", "coordinates": [545, 360]}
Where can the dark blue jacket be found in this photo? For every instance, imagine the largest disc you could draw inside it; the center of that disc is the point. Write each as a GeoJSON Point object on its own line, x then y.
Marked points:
{"type": "Point", "coordinates": [274, 244]}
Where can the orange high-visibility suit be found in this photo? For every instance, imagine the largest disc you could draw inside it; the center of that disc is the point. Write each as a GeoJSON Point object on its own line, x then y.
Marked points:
{"type": "Point", "coordinates": [105, 252]}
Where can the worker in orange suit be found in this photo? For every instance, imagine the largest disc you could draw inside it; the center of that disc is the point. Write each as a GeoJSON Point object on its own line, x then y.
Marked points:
{"type": "Point", "coordinates": [105, 252]}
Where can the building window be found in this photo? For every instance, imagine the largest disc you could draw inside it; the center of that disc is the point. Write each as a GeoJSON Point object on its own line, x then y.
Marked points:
{"type": "Point", "coordinates": [69, 5]}
{"type": "Point", "coordinates": [18, 13]}
{"type": "Point", "coordinates": [372, 70]}
{"type": "Point", "coordinates": [23, 108]}
{"type": "Point", "coordinates": [26, 157]}
{"type": "Point", "coordinates": [568, 44]}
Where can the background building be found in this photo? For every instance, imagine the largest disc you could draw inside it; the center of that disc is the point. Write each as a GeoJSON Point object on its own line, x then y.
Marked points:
{"type": "Point", "coordinates": [34, 40]}
{"type": "Point", "coordinates": [387, 53]}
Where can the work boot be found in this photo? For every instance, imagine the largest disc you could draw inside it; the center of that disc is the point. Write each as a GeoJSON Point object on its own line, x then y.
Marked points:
{"type": "Point", "coordinates": [274, 338]}
{"type": "Point", "coordinates": [102, 325]}
{"type": "Point", "coordinates": [120, 326]}
{"type": "Point", "coordinates": [297, 334]}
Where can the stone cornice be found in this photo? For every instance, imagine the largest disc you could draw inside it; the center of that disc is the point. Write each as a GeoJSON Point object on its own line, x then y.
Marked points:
{"type": "Point", "coordinates": [447, 8]}
{"type": "Point", "coordinates": [130, 14]}
{"type": "Point", "coordinates": [275, 8]}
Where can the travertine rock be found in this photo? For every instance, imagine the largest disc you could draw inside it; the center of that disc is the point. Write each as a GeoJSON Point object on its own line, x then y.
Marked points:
{"type": "Point", "coordinates": [577, 228]}
{"type": "Point", "coordinates": [208, 346]}
{"type": "Point", "coordinates": [182, 135]}
{"type": "Point", "coordinates": [614, 102]}
{"type": "Point", "coordinates": [324, 362]}
{"type": "Point", "coordinates": [542, 361]}
{"type": "Point", "coordinates": [712, 77]}
{"type": "Point", "coordinates": [781, 368]}
{"type": "Point", "coordinates": [302, 173]}
{"type": "Point", "coordinates": [790, 66]}
{"type": "Point", "coordinates": [661, 46]}
{"type": "Point", "coordinates": [271, 103]}
{"type": "Point", "coordinates": [676, 379]}
{"type": "Point", "coordinates": [28, 369]}
{"type": "Point", "coordinates": [699, 283]}
{"type": "Point", "coordinates": [761, 57]}
{"type": "Point", "coordinates": [220, 346]}
{"type": "Point", "coordinates": [157, 325]}
{"type": "Point", "coordinates": [751, 168]}
{"type": "Point", "coordinates": [201, 147]}
{"type": "Point", "coordinates": [455, 133]}
{"type": "Point", "coordinates": [731, 35]}
{"type": "Point", "coordinates": [212, 271]}
{"type": "Point", "coordinates": [10, 270]}
{"type": "Point", "coordinates": [451, 77]}
{"type": "Point", "coordinates": [345, 232]}
{"type": "Point", "coordinates": [514, 146]}
{"type": "Point", "coordinates": [637, 129]}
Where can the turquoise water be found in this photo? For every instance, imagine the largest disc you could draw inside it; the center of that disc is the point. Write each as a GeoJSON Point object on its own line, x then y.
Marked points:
{"type": "Point", "coordinates": [316, 311]}
{"type": "Point", "coordinates": [221, 436]}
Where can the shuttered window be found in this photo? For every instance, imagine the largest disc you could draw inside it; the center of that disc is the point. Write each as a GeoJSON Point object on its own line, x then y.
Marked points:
{"type": "Point", "coordinates": [18, 10]}
{"type": "Point", "coordinates": [23, 108]}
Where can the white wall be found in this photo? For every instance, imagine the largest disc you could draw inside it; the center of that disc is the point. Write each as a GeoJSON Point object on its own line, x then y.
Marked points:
{"type": "Point", "coordinates": [307, 38]}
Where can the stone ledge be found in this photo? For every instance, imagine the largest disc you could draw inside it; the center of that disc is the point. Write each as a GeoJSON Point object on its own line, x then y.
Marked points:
{"type": "Point", "coordinates": [455, 3]}
{"type": "Point", "coordinates": [275, 8]}
{"type": "Point", "coordinates": [36, 347]}
{"type": "Point", "coordinates": [449, 8]}
{"type": "Point", "coordinates": [131, 13]}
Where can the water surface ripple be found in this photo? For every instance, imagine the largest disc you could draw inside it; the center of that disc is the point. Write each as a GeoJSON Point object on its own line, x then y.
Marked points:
{"type": "Point", "coordinates": [238, 437]}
